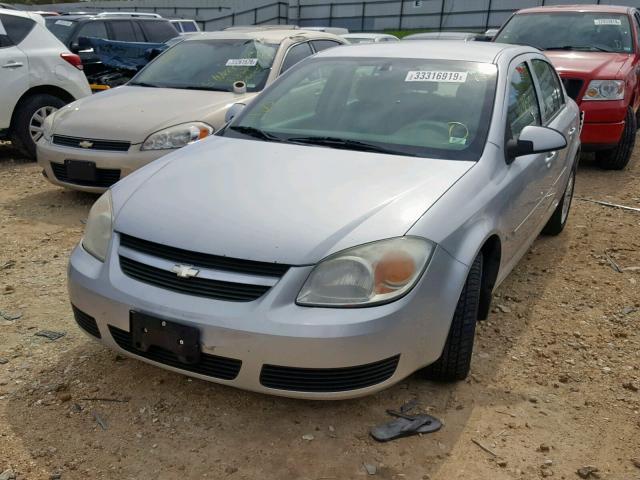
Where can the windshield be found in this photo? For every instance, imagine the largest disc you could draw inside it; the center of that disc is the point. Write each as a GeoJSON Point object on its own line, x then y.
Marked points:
{"type": "Point", "coordinates": [598, 32]}
{"type": "Point", "coordinates": [60, 28]}
{"type": "Point", "coordinates": [416, 107]}
{"type": "Point", "coordinates": [210, 65]}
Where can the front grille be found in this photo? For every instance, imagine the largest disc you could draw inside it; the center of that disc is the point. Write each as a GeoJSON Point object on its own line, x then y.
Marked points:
{"type": "Point", "coordinates": [202, 287]}
{"type": "Point", "coordinates": [106, 145]}
{"type": "Point", "coordinates": [105, 177]}
{"type": "Point", "coordinates": [86, 322]}
{"type": "Point", "coordinates": [204, 260]}
{"type": "Point", "coordinates": [328, 379]}
{"type": "Point", "coordinates": [209, 365]}
{"type": "Point", "coordinates": [573, 86]}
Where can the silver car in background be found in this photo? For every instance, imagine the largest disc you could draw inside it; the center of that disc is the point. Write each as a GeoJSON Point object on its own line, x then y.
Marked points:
{"type": "Point", "coordinates": [346, 229]}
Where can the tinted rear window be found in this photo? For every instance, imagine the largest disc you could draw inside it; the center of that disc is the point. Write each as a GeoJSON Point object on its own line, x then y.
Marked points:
{"type": "Point", "coordinates": [61, 28]}
{"type": "Point", "coordinates": [16, 28]}
{"type": "Point", "coordinates": [158, 31]}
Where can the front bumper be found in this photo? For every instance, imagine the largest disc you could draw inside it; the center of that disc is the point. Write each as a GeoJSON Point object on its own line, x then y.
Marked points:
{"type": "Point", "coordinates": [603, 124]}
{"type": "Point", "coordinates": [273, 330]}
{"type": "Point", "coordinates": [117, 164]}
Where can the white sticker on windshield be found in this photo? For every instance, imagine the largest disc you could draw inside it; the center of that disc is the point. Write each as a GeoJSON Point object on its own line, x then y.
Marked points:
{"type": "Point", "coordinates": [242, 62]}
{"type": "Point", "coordinates": [436, 76]}
{"type": "Point", "coordinates": [607, 21]}
{"type": "Point", "coordinates": [64, 23]}
{"type": "Point", "coordinates": [2, 30]}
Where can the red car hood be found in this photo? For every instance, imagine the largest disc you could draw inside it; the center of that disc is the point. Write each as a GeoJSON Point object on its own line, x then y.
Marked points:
{"type": "Point", "coordinates": [594, 65]}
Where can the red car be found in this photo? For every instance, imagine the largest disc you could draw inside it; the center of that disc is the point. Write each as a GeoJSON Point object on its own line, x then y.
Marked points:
{"type": "Point", "coordinates": [596, 51]}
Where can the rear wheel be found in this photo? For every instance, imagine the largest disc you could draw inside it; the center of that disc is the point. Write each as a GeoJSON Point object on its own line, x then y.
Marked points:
{"type": "Point", "coordinates": [29, 121]}
{"type": "Point", "coordinates": [558, 220]}
{"type": "Point", "coordinates": [455, 361]}
{"type": "Point", "coordinates": [618, 158]}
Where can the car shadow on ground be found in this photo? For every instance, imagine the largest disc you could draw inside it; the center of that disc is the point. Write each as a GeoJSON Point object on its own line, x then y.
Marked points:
{"type": "Point", "coordinates": [168, 423]}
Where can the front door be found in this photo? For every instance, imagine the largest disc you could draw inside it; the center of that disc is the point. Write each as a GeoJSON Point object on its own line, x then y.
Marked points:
{"type": "Point", "coordinates": [14, 74]}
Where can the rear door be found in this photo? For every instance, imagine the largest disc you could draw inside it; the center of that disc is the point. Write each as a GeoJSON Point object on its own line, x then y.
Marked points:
{"type": "Point", "coordinates": [14, 65]}
{"type": "Point", "coordinates": [556, 115]}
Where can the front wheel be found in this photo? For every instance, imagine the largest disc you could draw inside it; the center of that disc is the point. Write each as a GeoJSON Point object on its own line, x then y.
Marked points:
{"type": "Point", "coordinates": [455, 362]}
{"type": "Point", "coordinates": [29, 121]}
{"type": "Point", "coordinates": [558, 220]}
{"type": "Point", "coordinates": [618, 158]}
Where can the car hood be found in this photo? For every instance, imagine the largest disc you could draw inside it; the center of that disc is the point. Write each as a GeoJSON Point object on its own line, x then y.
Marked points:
{"type": "Point", "coordinates": [278, 202]}
{"type": "Point", "coordinates": [133, 113]}
{"type": "Point", "coordinates": [595, 65]}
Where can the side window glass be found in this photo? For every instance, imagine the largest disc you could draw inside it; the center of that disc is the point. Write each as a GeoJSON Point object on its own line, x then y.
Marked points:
{"type": "Point", "coordinates": [189, 27]}
{"type": "Point", "coordinates": [523, 103]}
{"type": "Point", "coordinates": [296, 54]}
{"type": "Point", "coordinates": [320, 45]}
{"type": "Point", "coordinates": [637, 17]}
{"type": "Point", "coordinates": [551, 90]}
{"type": "Point", "coordinates": [93, 29]}
{"type": "Point", "coordinates": [14, 29]}
{"type": "Point", "coordinates": [123, 31]}
{"type": "Point", "coordinates": [137, 30]}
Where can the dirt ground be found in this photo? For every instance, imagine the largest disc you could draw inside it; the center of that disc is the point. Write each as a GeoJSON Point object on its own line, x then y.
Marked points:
{"type": "Point", "coordinates": [554, 387]}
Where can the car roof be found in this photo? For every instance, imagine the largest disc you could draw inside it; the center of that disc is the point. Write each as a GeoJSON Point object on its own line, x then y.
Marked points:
{"type": "Point", "coordinates": [577, 8]}
{"type": "Point", "coordinates": [83, 18]}
{"type": "Point", "coordinates": [22, 13]}
{"type": "Point", "coordinates": [483, 52]}
{"type": "Point", "coordinates": [439, 35]}
{"type": "Point", "coordinates": [271, 36]}
{"type": "Point", "coordinates": [366, 35]}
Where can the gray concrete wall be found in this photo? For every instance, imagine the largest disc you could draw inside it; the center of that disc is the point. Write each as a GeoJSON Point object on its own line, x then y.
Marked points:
{"type": "Point", "coordinates": [356, 15]}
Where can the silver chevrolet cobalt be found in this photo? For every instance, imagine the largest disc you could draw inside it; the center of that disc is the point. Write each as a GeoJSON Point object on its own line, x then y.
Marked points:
{"type": "Point", "coordinates": [344, 230]}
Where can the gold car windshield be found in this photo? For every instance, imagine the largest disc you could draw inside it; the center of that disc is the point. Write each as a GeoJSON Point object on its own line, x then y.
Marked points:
{"type": "Point", "coordinates": [417, 107]}
{"type": "Point", "coordinates": [210, 65]}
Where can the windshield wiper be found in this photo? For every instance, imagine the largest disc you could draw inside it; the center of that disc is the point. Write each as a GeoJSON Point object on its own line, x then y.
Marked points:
{"type": "Point", "coordinates": [256, 133]}
{"type": "Point", "coordinates": [208, 89]}
{"type": "Point", "coordinates": [335, 142]}
{"type": "Point", "coordinates": [572, 47]}
{"type": "Point", "coordinates": [144, 84]}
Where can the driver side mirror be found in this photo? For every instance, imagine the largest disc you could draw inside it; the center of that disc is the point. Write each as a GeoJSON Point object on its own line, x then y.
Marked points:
{"type": "Point", "coordinates": [233, 111]}
{"type": "Point", "coordinates": [535, 139]}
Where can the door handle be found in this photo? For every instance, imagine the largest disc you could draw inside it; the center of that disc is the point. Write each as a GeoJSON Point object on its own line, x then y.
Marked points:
{"type": "Point", "coordinates": [13, 65]}
{"type": "Point", "coordinates": [549, 158]}
{"type": "Point", "coordinates": [571, 131]}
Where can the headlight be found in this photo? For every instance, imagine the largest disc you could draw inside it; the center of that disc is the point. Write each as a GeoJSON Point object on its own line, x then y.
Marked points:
{"type": "Point", "coordinates": [47, 126]}
{"type": "Point", "coordinates": [367, 275]}
{"type": "Point", "coordinates": [605, 90]}
{"type": "Point", "coordinates": [97, 234]}
{"type": "Point", "coordinates": [177, 136]}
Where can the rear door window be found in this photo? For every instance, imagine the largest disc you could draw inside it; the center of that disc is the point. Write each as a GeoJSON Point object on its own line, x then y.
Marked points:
{"type": "Point", "coordinates": [14, 29]}
{"type": "Point", "coordinates": [551, 91]}
{"type": "Point", "coordinates": [94, 30]}
{"type": "Point", "coordinates": [523, 102]}
{"type": "Point", "coordinates": [158, 31]}
{"type": "Point", "coordinates": [296, 54]}
{"type": "Point", "coordinates": [122, 30]}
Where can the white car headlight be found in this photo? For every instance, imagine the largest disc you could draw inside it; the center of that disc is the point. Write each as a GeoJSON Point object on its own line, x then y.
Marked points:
{"type": "Point", "coordinates": [370, 274]}
{"type": "Point", "coordinates": [177, 136]}
{"type": "Point", "coordinates": [97, 233]}
{"type": "Point", "coordinates": [47, 126]}
{"type": "Point", "coordinates": [605, 90]}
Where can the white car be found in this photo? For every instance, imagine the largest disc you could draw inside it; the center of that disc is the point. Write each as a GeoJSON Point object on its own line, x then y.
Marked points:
{"type": "Point", "coordinates": [369, 37]}
{"type": "Point", "coordinates": [38, 75]}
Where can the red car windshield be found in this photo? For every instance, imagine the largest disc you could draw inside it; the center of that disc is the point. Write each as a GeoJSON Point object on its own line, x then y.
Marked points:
{"type": "Point", "coordinates": [597, 32]}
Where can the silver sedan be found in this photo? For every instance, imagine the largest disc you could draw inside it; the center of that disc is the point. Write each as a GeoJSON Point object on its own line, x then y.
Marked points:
{"type": "Point", "coordinates": [344, 230]}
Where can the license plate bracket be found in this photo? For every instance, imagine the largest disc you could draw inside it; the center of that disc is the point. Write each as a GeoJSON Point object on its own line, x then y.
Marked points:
{"type": "Point", "coordinates": [81, 170]}
{"type": "Point", "coordinates": [181, 340]}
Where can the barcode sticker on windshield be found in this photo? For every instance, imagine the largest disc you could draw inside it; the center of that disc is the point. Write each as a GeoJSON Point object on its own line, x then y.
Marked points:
{"type": "Point", "coordinates": [607, 21]}
{"type": "Point", "coordinates": [242, 62]}
{"type": "Point", "coordinates": [436, 76]}
{"type": "Point", "coordinates": [64, 23]}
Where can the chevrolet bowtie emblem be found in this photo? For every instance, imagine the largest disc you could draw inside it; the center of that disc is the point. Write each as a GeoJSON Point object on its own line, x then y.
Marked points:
{"type": "Point", "coordinates": [85, 144]}
{"type": "Point", "coordinates": [185, 271]}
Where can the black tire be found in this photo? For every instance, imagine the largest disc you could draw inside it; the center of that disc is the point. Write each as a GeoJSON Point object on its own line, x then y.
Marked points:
{"type": "Point", "coordinates": [618, 158]}
{"type": "Point", "coordinates": [455, 362]}
{"type": "Point", "coordinates": [558, 220]}
{"type": "Point", "coordinates": [20, 135]}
